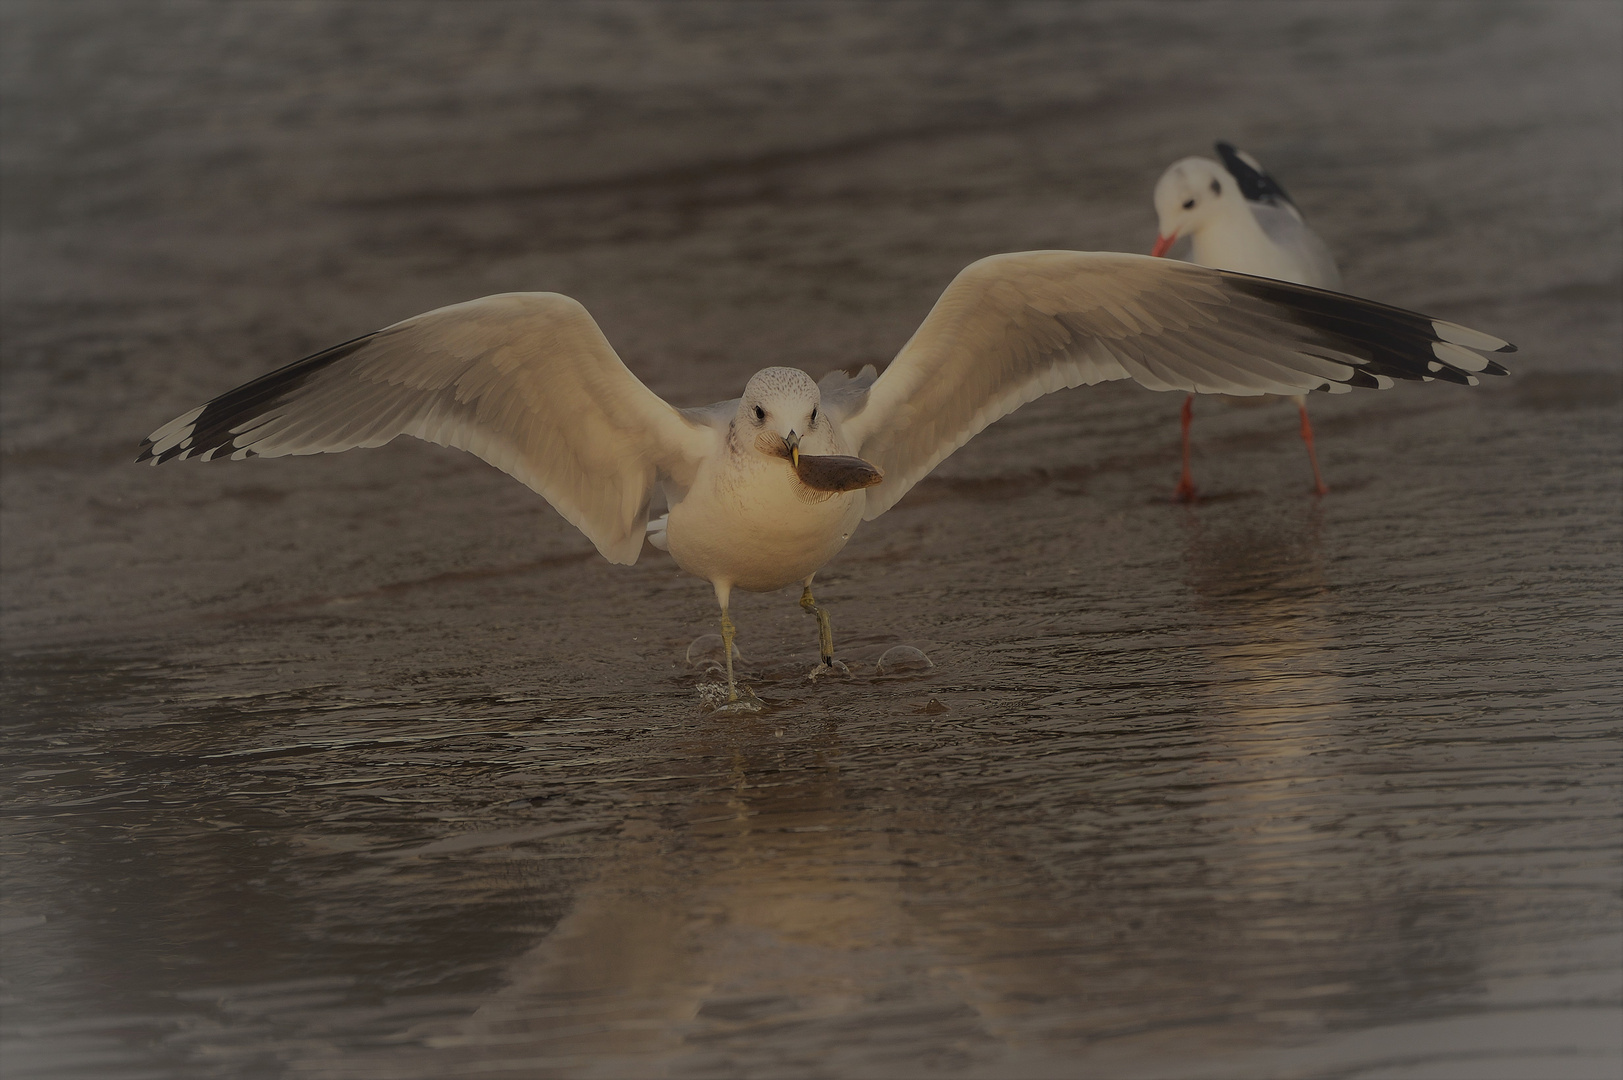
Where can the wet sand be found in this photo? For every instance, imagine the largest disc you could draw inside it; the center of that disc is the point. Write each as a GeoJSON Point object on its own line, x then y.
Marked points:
{"type": "Point", "coordinates": [368, 765]}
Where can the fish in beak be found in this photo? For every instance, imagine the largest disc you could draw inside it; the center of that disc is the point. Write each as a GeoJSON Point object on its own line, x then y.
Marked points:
{"type": "Point", "coordinates": [836, 472]}
{"type": "Point", "coordinates": [829, 472]}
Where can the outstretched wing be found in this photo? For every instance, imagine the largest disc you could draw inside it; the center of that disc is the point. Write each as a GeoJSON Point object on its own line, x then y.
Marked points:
{"type": "Point", "coordinates": [524, 380]}
{"type": "Point", "coordinates": [1011, 328]}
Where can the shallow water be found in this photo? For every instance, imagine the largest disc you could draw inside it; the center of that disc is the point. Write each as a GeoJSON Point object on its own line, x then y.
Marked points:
{"type": "Point", "coordinates": [368, 766]}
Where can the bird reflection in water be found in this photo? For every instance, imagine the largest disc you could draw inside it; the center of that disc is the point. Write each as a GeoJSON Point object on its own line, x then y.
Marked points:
{"type": "Point", "coordinates": [1275, 698]}
{"type": "Point", "coordinates": [1263, 591]}
{"type": "Point", "coordinates": [786, 900]}
{"type": "Point", "coordinates": [791, 905]}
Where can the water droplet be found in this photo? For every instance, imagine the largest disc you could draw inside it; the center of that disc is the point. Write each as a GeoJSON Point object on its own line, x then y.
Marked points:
{"type": "Point", "coordinates": [707, 647]}
{"type": "Point", "coordinates": [903, 660]}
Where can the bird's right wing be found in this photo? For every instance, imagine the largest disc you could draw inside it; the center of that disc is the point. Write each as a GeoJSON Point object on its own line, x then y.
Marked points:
{"type": "Point", "coordinates": [1255, 183]}
{"type": "Point", "coordinates": [525, 381]}
{"type": "Point", "coordinates": [843, 395]}
{"type": "Point", "coordinates": [1011, 328]}
{"type": "Point", "coordinates": [1285, 227]}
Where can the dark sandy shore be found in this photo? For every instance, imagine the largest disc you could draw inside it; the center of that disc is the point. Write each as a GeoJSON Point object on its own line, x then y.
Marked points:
{"type": "Point", "coordinates": [369, 766]}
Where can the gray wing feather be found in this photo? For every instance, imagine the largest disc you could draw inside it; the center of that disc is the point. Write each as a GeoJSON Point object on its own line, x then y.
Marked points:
{"type": "Point", "coordinates": [1284, 226]}
{"type": "Point", "coordinates": [718, 415]}
{"type": "Point", "coordinates": [843, 395]}
{"type": "Point", "coordinates": [1011, 328]}
{"type": "Point", "coordinates": [525, 381]}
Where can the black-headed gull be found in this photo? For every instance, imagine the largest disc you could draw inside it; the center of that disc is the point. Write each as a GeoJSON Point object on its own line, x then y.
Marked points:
{"type": "Point", "coordinates": [765, 489]}
{"type": "Point", "coordinates": [1239, 218]}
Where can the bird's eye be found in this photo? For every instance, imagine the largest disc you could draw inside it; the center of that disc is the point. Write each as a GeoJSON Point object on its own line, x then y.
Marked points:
{"type": "Point", "coordinates": [814, 414]}
{"type": "Point", "coordinates": [760, 413]}
{"type": "Point", "coordinates": [1189, 204]}
{"type": "Point", "coordinates": [1217, 189]}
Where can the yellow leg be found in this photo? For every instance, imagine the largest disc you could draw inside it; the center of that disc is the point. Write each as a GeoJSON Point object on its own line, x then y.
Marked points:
{"type": "Point", "coordinates": [728, 632]}
{"type": "Point", "coordinates": [825, 632]}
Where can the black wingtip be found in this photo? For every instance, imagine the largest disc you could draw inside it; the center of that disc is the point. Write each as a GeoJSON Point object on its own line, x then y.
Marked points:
{"type": "Point", "coordinates": [212, 431]}
{"type": "Point", "coordinates": [1255, 184]}
{"type": "Point", "coordinates": [1395, 343]}
{"type": "Point", "coordinates": [1506, 347]}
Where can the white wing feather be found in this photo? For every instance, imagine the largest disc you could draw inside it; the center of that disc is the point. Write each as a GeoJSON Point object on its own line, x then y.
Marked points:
{"type": "Point", "coordinates": [525, 381]}
{"type": "Point", "coordinates": [1011, 328]}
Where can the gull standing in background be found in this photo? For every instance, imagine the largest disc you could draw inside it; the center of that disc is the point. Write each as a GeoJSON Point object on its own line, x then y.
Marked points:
{"type": "Point", "coordinates": [763, 490]}
{"type": "Point", "coordinates": [1239, 218]}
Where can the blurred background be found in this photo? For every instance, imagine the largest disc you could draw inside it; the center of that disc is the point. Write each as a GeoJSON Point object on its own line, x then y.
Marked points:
{"type": "Point", "coordinates": [369, 766]}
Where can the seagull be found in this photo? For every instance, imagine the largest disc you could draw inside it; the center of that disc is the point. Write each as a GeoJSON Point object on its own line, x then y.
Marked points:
{"type": "Point", "coordinates": [1235, 216]}
{"type": "Point", "coordinates": [765, 489]}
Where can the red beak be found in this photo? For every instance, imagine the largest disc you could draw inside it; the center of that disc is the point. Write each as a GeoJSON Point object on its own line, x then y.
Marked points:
{"type": "Point", "coordinates": [1162, 243]}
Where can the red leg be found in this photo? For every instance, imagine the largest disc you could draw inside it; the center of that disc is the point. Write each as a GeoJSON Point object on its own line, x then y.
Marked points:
{"type": "Point", "coordinates": [1186, 483]}
{"type": "Point", "coordinates": [1313, 459]}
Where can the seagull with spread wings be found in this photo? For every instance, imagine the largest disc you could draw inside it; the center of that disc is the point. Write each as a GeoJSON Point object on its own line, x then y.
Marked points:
{"type": "Point", "coordinates": [764, 490]}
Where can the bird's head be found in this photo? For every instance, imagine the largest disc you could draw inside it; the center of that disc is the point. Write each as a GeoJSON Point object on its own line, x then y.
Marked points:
{"type": "Point", "coordinates": [1189, 194]}
{"type": "Point", "coordinates": [780, 407]}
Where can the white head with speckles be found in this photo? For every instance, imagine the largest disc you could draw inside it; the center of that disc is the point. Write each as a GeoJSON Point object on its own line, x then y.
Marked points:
{"type": "Point", "coordinates": [1191, 194]}
{"type": "Point", "coordinates": [782, 408]}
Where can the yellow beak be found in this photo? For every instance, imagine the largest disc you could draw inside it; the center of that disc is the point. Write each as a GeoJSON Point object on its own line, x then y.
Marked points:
{"type": "Point", "coordinates": [794, 449]}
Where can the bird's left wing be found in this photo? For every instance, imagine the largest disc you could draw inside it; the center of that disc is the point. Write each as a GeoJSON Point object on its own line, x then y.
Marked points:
{"type": "Point", "coordinates": [1011, 328]}
{"type": "Point", "coordinates": [525, 381]}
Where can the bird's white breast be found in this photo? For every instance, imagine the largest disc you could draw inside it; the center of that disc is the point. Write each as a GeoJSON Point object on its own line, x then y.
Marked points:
{"type": "Point", "coordinates": [748, 521]}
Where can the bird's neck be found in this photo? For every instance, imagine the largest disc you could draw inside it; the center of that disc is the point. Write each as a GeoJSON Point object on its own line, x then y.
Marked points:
{"type": "Point", "coordinates": [1233, 241]}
